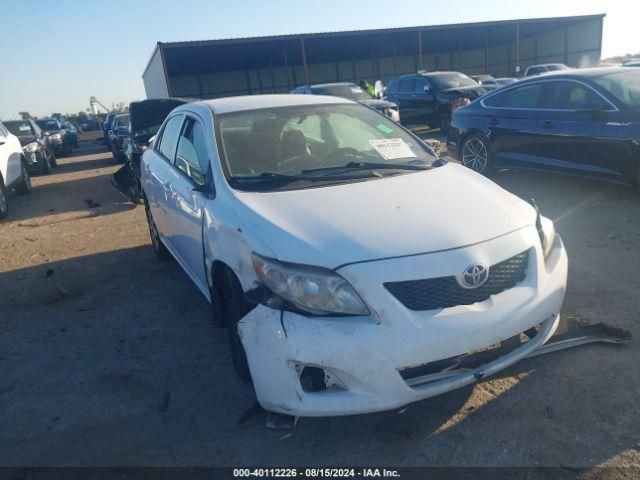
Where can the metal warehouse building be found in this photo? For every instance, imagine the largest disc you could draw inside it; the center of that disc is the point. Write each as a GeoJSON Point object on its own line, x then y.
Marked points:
{"type": "Point", "coordinates": [218, 68]}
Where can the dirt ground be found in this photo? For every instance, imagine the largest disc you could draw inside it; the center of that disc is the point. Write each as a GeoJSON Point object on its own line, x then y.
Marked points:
{"type": "Point", "coordinates": [109, 357]}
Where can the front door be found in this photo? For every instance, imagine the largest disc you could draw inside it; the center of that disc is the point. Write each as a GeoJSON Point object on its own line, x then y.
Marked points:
{"type": "Point", "coordinates": [578, 131]}
{"type": "Point", "coordinates": [186, 200]}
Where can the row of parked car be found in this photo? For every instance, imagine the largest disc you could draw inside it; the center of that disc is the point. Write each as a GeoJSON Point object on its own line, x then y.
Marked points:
{"type": "Point", "coordinates": [31, 146]}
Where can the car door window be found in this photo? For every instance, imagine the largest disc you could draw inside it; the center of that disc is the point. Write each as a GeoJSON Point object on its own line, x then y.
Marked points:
{"type": "Point", "coordinates": [407, 85]}
{"type": "Point", "coordinates": [192, 158]}
{"type": "Point", "coordinates": [169, 137]}
{"type": "Point", "coordinates": [527, 96]}
{"type": "Point", "coordinates": [420, 85]}
{"type": "Point", "coordinates": [564, 95]}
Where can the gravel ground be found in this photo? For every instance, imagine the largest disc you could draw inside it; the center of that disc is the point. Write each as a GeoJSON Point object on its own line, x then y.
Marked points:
{"type": "Point", "coordinates": [109, 358]}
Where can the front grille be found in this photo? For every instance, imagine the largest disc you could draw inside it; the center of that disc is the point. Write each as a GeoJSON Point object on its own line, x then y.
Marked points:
{"type": "Point", "coordinates": [444, 292]}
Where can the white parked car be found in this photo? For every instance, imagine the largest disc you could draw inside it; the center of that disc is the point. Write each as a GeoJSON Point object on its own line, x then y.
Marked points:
{"type": "Point", "coordinates": [13, 168]}
{"type": "Point", "coordinates": [355, 271]}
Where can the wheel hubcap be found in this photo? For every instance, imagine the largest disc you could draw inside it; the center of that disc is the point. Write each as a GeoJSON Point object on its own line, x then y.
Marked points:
{"type": "Point", "coordinates": [474, 155]}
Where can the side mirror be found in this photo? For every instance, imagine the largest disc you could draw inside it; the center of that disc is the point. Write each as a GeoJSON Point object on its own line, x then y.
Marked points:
{"type": "Point", "coordinates": [426, 89]}
{"type": "Point", "coordinates": [206, 190]}
{"type": "Point", "coordinates": [3, 140]}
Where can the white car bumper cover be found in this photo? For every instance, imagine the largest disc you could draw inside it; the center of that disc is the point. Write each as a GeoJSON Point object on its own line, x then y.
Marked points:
{"type": "Point", "coordinates": [364, 355]}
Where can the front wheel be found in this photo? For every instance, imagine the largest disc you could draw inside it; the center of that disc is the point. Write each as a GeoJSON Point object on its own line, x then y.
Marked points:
{"type": "Point", "coordinates": [445, 122]}
{"type": "Point", "coordinates": [25, 185]}
{"type": "Point", "coordinates": [46, 164]}
{"type": "Point", "coordinates": [3, 199]}
{"type": "Point", "coordinates": [476, 154]}
{"type": "Point", "coordinates": [235, 307]}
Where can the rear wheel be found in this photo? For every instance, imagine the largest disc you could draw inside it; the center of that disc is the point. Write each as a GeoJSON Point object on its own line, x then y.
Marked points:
{"type": "Point", "coordinates": [3, 198]}
{"type": "Point", "coordinates": [475, 154]}
{"type": "Point", "coordinates": [25, 185]}
{"type": "Point", "coordinates": [235, 308]}
{"type": "Point", "coordinates": [158, 247]}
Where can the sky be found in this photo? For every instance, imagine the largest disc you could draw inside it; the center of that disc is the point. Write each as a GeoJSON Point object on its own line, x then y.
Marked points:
{"type": "Point", "coordinates": [55, 55]}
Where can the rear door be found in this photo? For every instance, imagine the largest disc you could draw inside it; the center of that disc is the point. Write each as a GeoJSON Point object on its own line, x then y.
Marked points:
{"type": "Point", "coordinates": [511, 122]}
{"type": "Point", "coordinates": [190, 172]}
{"type": "Point", "coordinates": [578, 131]}
{"type": "Point", "coordinates": [156, 164]}
{"type": "Point", "coordinates": [405, 100]}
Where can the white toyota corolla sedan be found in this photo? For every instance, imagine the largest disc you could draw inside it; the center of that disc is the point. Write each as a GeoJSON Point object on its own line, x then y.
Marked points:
{"type": "Point", "coordinates": [354, 270]}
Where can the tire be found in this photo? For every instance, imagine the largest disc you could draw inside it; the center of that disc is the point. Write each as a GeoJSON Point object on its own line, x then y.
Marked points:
{"type": "Point", "coordinates": [235, 307]}
{"type": "Point", "coordinates": [25, 185]}
{"type": "Point", "coordinates": [158, 247]}
{"type": "Point", "coordinates": [46, 166]}
{"type": "Point", "coordinates": [475, 154]}
{"type": "Point", "coordinates": [3, 199]}
{"type": "Point", "coordinates": [445, 121]}
{"type": "Point", "coordinates": [53, 159]}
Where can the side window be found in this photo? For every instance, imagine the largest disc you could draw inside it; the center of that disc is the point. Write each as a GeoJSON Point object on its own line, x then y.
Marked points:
{"type": "Point", "coordinates": [421, 84]}
{"type": "Point", "coordinates": [407, 85]}
{"type": "Point", "coordinates": [570, 95]}
{"type": "Point", "coordinates": [169, 136]}
{"type": "Point", "coordinates": [192, 156]}
{"type": "Point", "coordinates": [527, 96]}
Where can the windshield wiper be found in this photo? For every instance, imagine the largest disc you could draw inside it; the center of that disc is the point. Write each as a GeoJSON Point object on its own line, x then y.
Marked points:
{"type": "Point", "coordinates": [280, 177]}
{"type": "Point", "coordinates": [351, 166]}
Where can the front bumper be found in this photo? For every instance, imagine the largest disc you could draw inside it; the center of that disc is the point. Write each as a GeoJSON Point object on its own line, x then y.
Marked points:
{"type": "Point", "coordinates": [363, 357]}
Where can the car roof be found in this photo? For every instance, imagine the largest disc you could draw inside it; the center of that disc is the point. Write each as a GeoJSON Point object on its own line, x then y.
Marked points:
{"type": "Point", "coordinates": [256, 102]}
{"type": "Point", "coordinates": [331, 84]}
{"type": "Point", "coordinates": [578, 73]}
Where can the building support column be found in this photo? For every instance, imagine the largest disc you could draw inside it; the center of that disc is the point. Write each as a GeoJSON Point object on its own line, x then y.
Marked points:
{"type": "Point", "coordinates": [421, 61]}
{"type": "Point", "coordinates": [517, 48]}
{"type": "Point", "coordinates": [566, 45]}
{"type": "Point", "coordinates": [304, 61]}
{"type": "Point", "coordinates": [486, 53]}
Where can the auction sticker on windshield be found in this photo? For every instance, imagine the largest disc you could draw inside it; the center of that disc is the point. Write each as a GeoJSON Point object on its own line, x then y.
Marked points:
{"type": "Point", "coordinates": [392, 148]}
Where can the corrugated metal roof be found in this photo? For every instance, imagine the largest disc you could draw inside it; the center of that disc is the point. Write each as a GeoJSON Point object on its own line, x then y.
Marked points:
{"type": "Point", "coordinates": [491, 23]}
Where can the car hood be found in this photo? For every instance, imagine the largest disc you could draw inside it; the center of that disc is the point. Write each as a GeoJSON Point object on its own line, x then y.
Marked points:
{"type": "Point", "coordinates": [377, 104]}
{"type": "Point", "coordinates": [467, 92]}
{"type": "Point", "coordinates": [25, 139]}
{"type": "Point", "coordinates": [419, 212]}
{"type": "Point", "coordinates": [152, 112]}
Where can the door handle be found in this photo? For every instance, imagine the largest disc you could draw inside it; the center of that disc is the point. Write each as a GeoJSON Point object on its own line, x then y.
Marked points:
{"type": "Point", "coordinates": [493, 121]}
{"type": "Point", "coordinates": [547, 124]}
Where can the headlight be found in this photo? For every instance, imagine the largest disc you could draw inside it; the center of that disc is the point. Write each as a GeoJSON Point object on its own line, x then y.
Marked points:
{"type": "Point", "coordinates": [547, 233]}
{"type": "Point", "coordinates": [315, 290]}
{"type": "Point", "coordinates": [31, 147]}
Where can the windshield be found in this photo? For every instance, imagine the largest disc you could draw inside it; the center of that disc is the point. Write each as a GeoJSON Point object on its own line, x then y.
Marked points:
{"type": "Point", "coordinates": [625, 86]}
{"type": "Point", "coordinates": [444, 81]}
{"type": "Point", "coordinates": [18, 128]}
{"type": "Point", "coordinates": [351, 91]}
{"type": "Point", "coordinates": [48, 124]}
{"type": "Point", "coordinates": [555, 68]}
{"type": "Point", "coordinates": [312, 142]}
{"type": "Point", "coordinates": [122, 122]}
